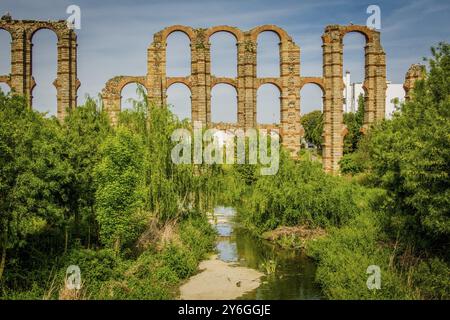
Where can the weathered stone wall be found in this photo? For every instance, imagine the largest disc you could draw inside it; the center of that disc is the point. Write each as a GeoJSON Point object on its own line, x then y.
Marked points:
{"type": "Point", "coordinates": [374, 86]}
{"type": "Point", "coordinates": [414, 73]}
{"type": "Point", "coordinates": [201, 81]}
{"type": "Point", "coordinates": [21, 80]}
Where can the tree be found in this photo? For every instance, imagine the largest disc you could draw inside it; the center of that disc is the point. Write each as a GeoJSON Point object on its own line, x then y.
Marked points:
{"type": "Point", "coordinates": [85, 129]}
{"type": "Point", "coordinates": [313, 124]}
{"type": "Point", "coordinates": [120, 188]}
{"type": "Point", "coordinates": [354, 123]}
{"type": "Point", "coordinates": [410, 158]}
{"type": "Point", "coordinates": [32, 173]}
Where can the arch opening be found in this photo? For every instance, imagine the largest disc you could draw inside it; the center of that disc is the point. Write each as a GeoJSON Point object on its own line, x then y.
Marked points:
{"type": "Point", "coordinates": [179, 100]}
{"type": "Point", "coordinates": [224, 104]}
{"type": "Point", "coordinates": [311, 98]}
{"type": "Point", "coordinates": [45, 64]}
{"type": "Point", "coordinates": [353, 69]}
{"type": "Point", "coordinates": [130, 95]}
{"type": "Point", "coordinates": [268, 106]}
{"type": "Point", "coordinates": [223, 54]}
{"type": "Point", "coordinates": [268, 54]}
{"type": "Point", "coordinates": [5, 52]}
{"type": "Point", "coordinates": [178, 55]}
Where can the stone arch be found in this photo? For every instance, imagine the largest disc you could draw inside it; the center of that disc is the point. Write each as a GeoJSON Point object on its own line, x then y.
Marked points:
{"type": "Point", "coordinates": [365, 31]}
{"type": "Point", "coordinates": [111, 94]}
{"type": "Point", "coordinates": [224, 80]}
{"type": "Point", "coordinates": [273, 81]}
{"type": "Point", "coordinates": [313, 80]}
{"type": "Point", "coordinates": [59, 28]}
{"type": "Point", "coordinates": [116, 84]}
{"type": "Point", "coordinates": [183, 80]}
{"type": "Point", "coordinates": [188, 31]}
{"type": "Point", "coordinates": [282, 34]}
{"type": "Point", "coordinates": [238, 34]}
{"type": "Point", "coordinates": [21, 79]}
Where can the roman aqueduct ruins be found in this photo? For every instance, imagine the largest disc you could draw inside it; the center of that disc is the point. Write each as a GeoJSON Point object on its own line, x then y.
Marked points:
{"type": "Point", "coordinates": [201, 81]}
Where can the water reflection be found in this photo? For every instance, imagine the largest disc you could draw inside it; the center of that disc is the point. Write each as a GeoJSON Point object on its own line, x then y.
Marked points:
{"type": "Point", "coordinates": [294, 274]}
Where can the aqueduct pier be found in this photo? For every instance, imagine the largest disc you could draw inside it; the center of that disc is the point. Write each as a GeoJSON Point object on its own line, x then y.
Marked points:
{"type": "Point", "coordinates": [201, 81]}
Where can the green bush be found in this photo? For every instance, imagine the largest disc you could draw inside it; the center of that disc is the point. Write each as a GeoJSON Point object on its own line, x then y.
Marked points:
{"type": "Point", "coordinates": [343, 257]}
{"type": "Point", "coordinates": [301, 193]}
{"type": "Point", "coordinates": [432, 279]}
{"type": "Point", "coordinates": [352, 163]}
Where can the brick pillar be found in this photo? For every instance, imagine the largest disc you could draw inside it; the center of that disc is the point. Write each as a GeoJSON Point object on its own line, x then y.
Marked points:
{"type": "Point", "coordinates": [333, 101]}
{"type": "Point", "coordinates": [66, 81]}
{"type": "Point", "coordinates": [18, 70]}
{"type": "Point", "coordinates": [414, 73]}
{"type": "Point", "coordinates": [111, 105]}
{"type": "Point", "coordinates": [240, 83]}
{"type": "Point", "coordinates": [290, 100]}
{"type": "Point", "coordinates": [374, 82]}
{"type": "Point", "coordinates": [156, 70]}
{"type": "Point", "coordinates": [201, 75]}
{"type": "Point", "coordinates": [247, 81]}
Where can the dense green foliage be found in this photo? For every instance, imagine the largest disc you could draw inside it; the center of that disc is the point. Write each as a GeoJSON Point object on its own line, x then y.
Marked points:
{"type": "Point", "coordinates": [313, 125]}
{"type": "Point", "coordinates": [410, 158]}
{"type": "Point", "coordinates": [112, 201]}
{"type": "Point", "coordinates": [300, 193]}
{"type": "Point", "coordinates": [121, 190]}
{"type": "Point", "coordinates": [81, 192]}
{"type": "Point", "coordinates": [354, 122]}
{"type": "Point", "coordinates": [393, 214]}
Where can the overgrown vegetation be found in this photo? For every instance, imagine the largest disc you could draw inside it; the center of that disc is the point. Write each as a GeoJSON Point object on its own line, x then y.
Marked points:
{"type": "Point", "coordinates": [393, 212]}
{"type": "Point", "coordinates": [109, 200]}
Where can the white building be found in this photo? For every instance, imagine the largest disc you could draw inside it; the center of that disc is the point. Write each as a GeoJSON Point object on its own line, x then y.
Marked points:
{"type": "Point", "coordinates": [353, 90]}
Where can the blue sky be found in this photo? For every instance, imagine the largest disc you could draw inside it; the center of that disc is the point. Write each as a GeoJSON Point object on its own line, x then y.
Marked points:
{"type": "Point", "coordinates": [114, 37]}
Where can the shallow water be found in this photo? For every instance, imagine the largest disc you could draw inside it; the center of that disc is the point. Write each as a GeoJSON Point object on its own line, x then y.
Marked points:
{"type": "Point", "coordinates": [294, 274]}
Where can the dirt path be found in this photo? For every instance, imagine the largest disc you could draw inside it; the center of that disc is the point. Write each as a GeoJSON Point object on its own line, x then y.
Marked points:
{"type": "Point", "coordinates": [220, 280]}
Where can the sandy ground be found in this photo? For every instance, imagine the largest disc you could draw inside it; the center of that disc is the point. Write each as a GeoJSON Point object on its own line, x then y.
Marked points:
{"type": "Point", "coordinates": [220, 280]}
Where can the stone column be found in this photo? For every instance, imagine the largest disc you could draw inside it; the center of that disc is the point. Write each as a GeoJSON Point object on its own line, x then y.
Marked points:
{"type": "Point", "coordinates": [415, 72]}
{"type": "Point", "coordinates": [333, 101]}
{"type": "Point", "coordinates": [247, 81]}
{"type": "Point", "coordinates": [111, 105]}
{"type": "Point", "coordinates": [290, 96]}
{"type": "Point", "coordinates": [21, 77]}
{"type": "Point", "coordinates": [18, 63]}
{"type": "Point", "coordinates": [374, 82]}
{"type": "Point", "coordinates": [66, 81]}
{"type": "Point", "coordinates": [201, 75]}
{"type": "Point", "coordinates": [156, 70]}
{"type": "Point", "coordinates": [240, 83]}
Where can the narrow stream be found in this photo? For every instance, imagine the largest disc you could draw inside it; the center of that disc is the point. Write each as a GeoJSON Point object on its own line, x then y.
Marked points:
{"type": "Point", "coordinates": [293, 277]}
